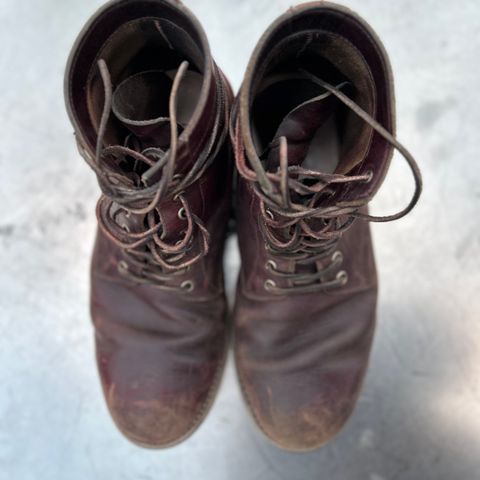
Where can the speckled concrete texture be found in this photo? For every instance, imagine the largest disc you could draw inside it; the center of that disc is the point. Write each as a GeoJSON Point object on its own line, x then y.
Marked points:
{"type": "Point", "coordinates": [419, 414]}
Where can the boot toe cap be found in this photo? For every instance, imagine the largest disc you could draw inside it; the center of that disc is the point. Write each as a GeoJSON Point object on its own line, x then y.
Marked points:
{"type": "Point", "coordinates": [157, 422]}
{"type": "Point", "coordinates": [304, 428]}
{"type": "Point", "coordinates": [157, 400]}
{"type": "Point", "coordinates": [302, 368]}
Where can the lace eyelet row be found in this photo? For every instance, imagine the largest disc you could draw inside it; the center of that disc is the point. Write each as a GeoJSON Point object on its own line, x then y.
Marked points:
{"type": "Point", "coordinates": [337, 256]}
{"type": "Point", "coordinates": [187, 286]}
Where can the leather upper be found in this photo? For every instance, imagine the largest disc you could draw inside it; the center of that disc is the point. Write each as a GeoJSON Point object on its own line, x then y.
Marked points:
{"type": "Point", "coordinates": [301, 357]}
{"type": "Point", "coordinates": [160, 351]}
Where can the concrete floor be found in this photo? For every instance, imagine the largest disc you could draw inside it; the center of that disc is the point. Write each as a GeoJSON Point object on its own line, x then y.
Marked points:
{"type": "Point", "coordinates": [419, 414]}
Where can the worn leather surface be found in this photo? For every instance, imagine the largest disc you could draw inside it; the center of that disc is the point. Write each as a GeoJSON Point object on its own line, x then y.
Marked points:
{"type": "Point", "coordinates": [301, 357]}
{"type": "Point", "coordinates": [160, 353]}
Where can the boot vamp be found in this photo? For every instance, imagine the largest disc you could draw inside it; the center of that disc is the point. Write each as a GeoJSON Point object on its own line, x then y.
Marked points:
{"type": "Point", "coordinates": [159, 354]}
{"type": "Point", "coordinates": [302, 358]}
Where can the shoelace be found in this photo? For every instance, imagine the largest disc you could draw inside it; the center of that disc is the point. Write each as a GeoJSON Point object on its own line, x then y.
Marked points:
{"type": "Point", "coordinates": [129, 193]}
{"type": "Point", "coordinates": [292, 219]}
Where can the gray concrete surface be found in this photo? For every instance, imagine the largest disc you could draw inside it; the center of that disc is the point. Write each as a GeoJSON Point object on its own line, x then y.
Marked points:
{"type": "Point", "coordinates": [419, 414]}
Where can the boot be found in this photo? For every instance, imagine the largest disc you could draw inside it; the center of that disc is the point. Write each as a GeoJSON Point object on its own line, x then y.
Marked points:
{"type": "Point", "coordinates": [313, 129]}
{"type": "Point", "coordinates": [150, 112]}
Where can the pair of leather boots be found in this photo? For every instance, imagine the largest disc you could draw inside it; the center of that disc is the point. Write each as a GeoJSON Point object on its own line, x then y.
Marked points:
{"type": "Point", "coordinates": [312, 132]}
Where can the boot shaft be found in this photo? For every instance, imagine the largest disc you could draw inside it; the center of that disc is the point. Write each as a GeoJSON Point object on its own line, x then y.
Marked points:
{"type": "Point", "coordinates": [150, 112]}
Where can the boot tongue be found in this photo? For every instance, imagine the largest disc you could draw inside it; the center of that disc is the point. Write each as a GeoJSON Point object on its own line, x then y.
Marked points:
{"type": "Point", "coordinates": [299, 108]}
{"type": "Point", "coordinates": [299, 127]}
{"type": "Point", "coordinates": [140, 103]}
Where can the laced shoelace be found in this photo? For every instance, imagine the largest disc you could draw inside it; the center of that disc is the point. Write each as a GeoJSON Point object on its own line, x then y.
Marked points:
{"type": "Point", "coordinates": [294, 227]}
{"type": "Point", "coordinates": [154, 260]}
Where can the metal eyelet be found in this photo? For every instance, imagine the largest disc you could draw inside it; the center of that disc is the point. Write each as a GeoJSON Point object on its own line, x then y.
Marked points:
{"type": "Point", "coordinates": [180, 240]}
{"type": "Point", "coordinates": [337, 256]}
{"type": "Point", "coordinates": [177, 176]}
{"type": "Point", "coordinates": [269, 284]}
{"type": "Point", "coordinates": [182, 214]}
{"type": "Point", "coordinates": [343, 277]}
{"type": "Point", "coordinates": [370, 176]}
{"type": "Point", "coordinates": [177, 196]}
{"type": "Point", "coordinates": [122, 266]}
{"type": "Point", "coordinates": [271, 265]}
{"type": "Point", "coordinates": [187, 285]}
{"type": "Point", "coordinates": [269, 214]}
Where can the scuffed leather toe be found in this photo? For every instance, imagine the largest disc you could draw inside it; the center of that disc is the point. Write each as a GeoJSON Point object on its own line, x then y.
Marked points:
{"type": "Point", "coordinates": [296, 427]}
{"type": "Point", "coordinates": [148, 406]}
{"type": "Point", "coordinates": [159, 421]}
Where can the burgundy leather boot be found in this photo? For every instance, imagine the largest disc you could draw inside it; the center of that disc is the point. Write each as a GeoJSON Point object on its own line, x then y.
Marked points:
{"type": "Point", "coordinates": [150, 112]}
{"type": "Point", "coordinates": [313, 130]}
